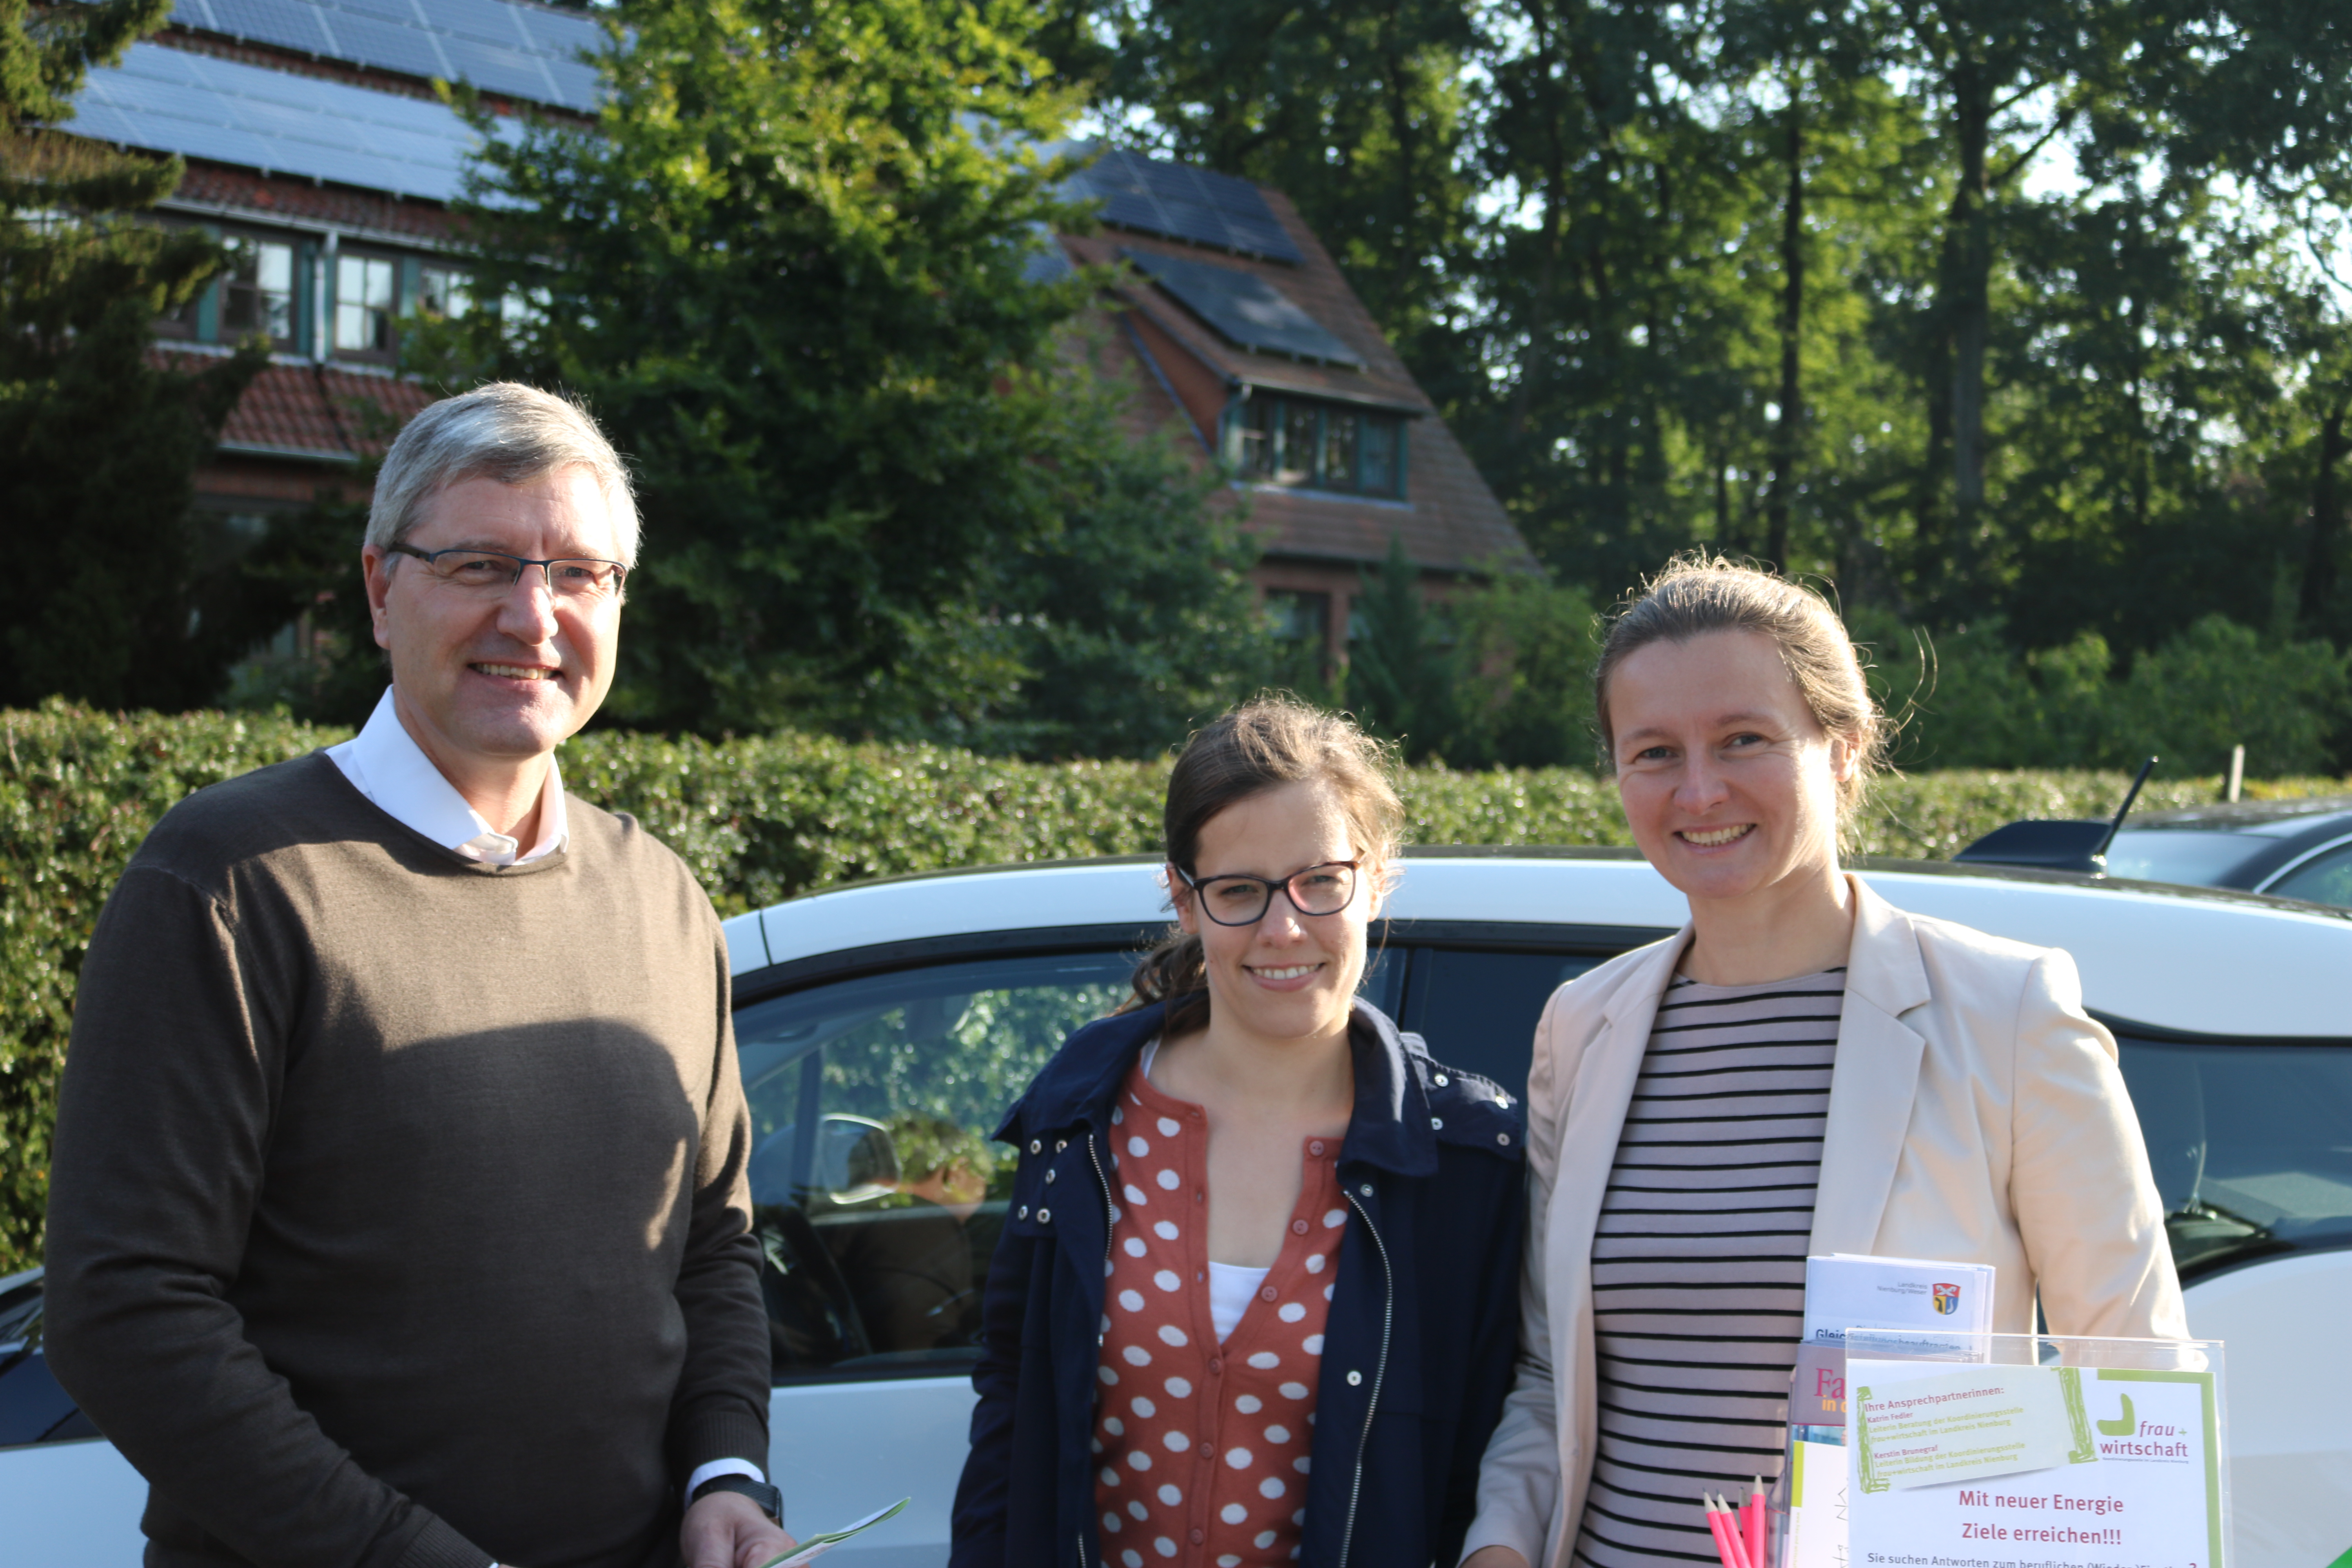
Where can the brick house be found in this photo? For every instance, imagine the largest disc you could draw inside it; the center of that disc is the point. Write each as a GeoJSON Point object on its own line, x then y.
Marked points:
{"type": "Point", "coordinates": [317, 148]}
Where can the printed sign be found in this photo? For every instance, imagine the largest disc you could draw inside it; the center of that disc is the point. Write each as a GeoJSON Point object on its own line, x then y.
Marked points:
{"type": "Point", "coordinates": [2054, 1467]}
{"type": "Point", "coordinates": [1989, 1421]}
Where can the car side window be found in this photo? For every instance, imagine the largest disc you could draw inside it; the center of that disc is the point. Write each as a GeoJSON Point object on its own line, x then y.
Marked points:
{"type": "Point", "coordinates": [1478, 1010]}
{"type": "Point", "coordinates": [2248, 1144]}
{"type": "Point", "coordinates": [2322, 879]}
{"type": "Point", "coordinates": [877, 1193]}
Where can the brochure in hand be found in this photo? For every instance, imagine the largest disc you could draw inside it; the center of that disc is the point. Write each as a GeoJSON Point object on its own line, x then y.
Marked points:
{"type": "Point", "coordinates": [817, 1546]}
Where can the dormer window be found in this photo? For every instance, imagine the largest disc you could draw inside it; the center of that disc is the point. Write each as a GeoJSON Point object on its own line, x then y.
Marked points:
{"type": "Point", "coordinates": [365, 287]}
{"type": "Point", "coordinates": [1309, 444]}
{"type": "Point", "coordinates": [257, 290]}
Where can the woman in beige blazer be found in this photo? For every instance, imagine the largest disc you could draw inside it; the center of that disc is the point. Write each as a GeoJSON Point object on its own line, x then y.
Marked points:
{"type": "Point", "coordinates": [1837, 1076]}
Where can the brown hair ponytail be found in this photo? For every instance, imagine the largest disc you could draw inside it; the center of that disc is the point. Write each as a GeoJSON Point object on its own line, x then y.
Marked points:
{"type": "Point", "coordinates": [1268, 741]}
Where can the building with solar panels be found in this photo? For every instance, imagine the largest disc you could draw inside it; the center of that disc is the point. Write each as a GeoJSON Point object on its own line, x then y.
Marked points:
{"type": "Point", "coordinates": [319, 151]}
{"type": "Point", "coordinates": [1241, 333]}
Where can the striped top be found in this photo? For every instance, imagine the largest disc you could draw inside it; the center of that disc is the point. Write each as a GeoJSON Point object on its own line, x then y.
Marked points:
{"type": "Point", "coordinates": [1698, 1263]}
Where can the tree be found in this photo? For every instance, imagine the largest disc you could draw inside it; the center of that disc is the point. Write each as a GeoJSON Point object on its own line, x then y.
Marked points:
{"type": "Point", "coordinates": [1352, 107]}
{"type": "Point", "coordinates": [1527, 651]}
{"type": "Point", "coordinates": [1402, 674]}
{"type": "Point", "coordinates": [104, 599]}
{"type": "Point", "coordinates": [793, 270]}
{"type": "Point", "coordinates": [1130, 624]}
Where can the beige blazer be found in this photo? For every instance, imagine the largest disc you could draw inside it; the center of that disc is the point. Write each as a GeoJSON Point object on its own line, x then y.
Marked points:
{"type": "Point", "coordinates": [1975, 1115]}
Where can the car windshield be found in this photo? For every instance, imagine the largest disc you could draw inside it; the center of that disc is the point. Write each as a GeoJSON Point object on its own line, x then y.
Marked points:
{"type": "Point", "coordinates": [2197, 855]}
{"type": "Point", "coordinates": [2251, 1144]}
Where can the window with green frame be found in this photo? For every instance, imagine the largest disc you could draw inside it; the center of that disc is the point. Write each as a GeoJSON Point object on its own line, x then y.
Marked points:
{"type": "Point", "coordinates": [1313, 445]}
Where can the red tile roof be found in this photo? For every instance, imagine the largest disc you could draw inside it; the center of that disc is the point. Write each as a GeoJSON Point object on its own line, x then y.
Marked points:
{"type": "Point", "coordinates": [218, 187]}
{"type": "Point", "coordinates": [320, 413]}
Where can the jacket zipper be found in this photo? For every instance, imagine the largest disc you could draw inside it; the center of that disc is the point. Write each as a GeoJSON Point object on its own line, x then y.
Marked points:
{"type": "Point", "coordinates": [1380, 1372]}
{"type": "Point", "coordinates": [1109, 1218]}
{"type": "Point", "coordinates": [1110, 1214]}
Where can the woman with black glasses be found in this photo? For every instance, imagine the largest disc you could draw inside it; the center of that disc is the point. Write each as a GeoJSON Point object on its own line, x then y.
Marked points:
{"type": "Point", "coordinates": [1256, 1296]}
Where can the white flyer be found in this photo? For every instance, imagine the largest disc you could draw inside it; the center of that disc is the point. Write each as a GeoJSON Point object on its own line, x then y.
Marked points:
{"type": "Point", "coordinates": [1945, 1306]}
{"type": "Point", "coordinates": [1986, 1421]}
{"type": "Point", "coordinates": [1816, 1505]}
{"type": "Point", "coordinates": [2136, 1483]}
{"type": "Point", "coordinates": [817, 1546]}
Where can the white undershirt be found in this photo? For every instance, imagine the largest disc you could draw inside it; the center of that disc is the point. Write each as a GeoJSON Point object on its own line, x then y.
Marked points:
{"type": "Point", "coordinates": [385, 763]}
{"type": "Point", "coordinates": [1231, 1285]}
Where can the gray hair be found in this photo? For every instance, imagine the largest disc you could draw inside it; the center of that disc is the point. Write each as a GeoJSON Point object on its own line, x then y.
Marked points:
{"type": "Point", "coordinates": [503, 431]}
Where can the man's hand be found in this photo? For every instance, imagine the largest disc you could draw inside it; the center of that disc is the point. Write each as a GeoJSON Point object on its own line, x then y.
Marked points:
{"type": "Point", "coordinates": [723, 1529]}
{"type": "Point", "coordinates": [1494, 1557]}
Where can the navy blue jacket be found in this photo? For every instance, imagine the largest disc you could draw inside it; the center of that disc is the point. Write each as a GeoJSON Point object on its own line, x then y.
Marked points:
{"type": "Point", "coordinates": [1417, 1355]}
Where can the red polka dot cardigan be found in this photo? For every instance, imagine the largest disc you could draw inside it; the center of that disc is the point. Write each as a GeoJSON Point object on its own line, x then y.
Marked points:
{"type": "Point", "coordinates": [1341, 1423]}
{"type": "Point", "coordinates": [1205, 1448]}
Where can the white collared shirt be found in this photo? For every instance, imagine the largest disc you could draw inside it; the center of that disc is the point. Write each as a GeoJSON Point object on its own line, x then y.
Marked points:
{"type": "Point", "coordinates": [385, 763]}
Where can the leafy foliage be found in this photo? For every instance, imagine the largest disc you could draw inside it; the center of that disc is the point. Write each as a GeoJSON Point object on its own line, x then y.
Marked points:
{"type": "Point", "coordinates": [793, 270]}
{"type": "Point", "coordinates": [105, 596]}
{"type": "Point", "coordinates": [759, 820]}
{"type": "Point", "coordinates": [2215, 686]}
{"type": "Point", "coordinates": [1526, 647]}
{"type": "Point", "coordinates": [2011, 311]}
{"type": "Point", "coordinates": [1402, 671]}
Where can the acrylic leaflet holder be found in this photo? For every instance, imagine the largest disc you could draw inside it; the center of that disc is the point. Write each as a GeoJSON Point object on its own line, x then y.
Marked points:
{"type": "Point", "coordinates": [2064, 1452]}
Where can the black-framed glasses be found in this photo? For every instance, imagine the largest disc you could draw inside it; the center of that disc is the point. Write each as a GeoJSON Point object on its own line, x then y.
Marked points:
{"type": "Point", "coordinates": [1239, 900]}
{"type": "Point", "coordinates": [491, 572]}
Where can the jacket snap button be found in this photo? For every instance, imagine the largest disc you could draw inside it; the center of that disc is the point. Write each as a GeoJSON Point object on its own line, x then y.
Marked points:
{"type": "Point", "coordinates": [1366, 1189]}
{"type": "Point", "coordinates": [1267, 1294]}
{"type": "Point", "coordinates": [1023, 1214]}
{"type": "Point", "coordinates": [1037, 1145]}
{"type": "Point", "coordinates": [1354, 1378]}
{"type": "Point", "coordinates": [1049, 1177]}
{"type": "Point", "coordinates": [1298, 1227]}
{"type": "Point", "coordinates": [1441, 1081]}
{"type": "Point", "coordinates": [1045, 1216]}
{"type": "Point", "coordinates": [1436, 1122]}
{"type": "Point", "coordinates": [1060, 1144]}
{"type": "Point", "coordinates": [1502, 1138]}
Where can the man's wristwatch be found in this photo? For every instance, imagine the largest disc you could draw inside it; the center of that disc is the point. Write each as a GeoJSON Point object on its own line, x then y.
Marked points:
{"type": "Point", "coordinates": [764, 1497]}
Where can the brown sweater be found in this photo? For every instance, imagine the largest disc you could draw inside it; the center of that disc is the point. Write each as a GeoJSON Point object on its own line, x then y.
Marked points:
{"type": "Point", "coordinates": [398, 1213]}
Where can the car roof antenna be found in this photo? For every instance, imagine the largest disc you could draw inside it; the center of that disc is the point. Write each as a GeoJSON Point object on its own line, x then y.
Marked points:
{"type": "Point", "coordinates": [2130, 795]}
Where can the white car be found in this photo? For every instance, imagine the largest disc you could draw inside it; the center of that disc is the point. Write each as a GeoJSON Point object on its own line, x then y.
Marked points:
{"type": "Point", "coordinates": [880, 1023]}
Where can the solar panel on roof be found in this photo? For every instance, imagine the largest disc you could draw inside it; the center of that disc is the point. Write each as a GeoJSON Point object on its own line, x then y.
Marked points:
{"type": "Point", "coordinates": [169, 100]}
{"type": "Point", "coordinates": [520, 51]}
{"type": "Point", "coordinates": [1246, 309]}
{"type": "Point", "coordinates": [390, 47]}
{"type": "Point", "coordinates": [1155, 196]}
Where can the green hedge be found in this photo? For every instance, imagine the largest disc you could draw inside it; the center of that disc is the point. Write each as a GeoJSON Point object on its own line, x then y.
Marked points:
{"type": "Point", "coordinates": [759, 820]}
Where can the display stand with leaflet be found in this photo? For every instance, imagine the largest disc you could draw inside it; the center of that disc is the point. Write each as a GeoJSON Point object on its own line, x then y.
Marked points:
{"type": "Point", "coordinates": [2064, 1451]}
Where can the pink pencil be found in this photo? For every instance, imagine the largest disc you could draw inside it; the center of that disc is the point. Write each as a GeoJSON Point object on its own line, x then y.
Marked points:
{"type": "Point", "coordinates": [1730, 1517]}
{"type": "Point", "coordinates": [1751, 1516]}
{"type": "Point", "coordinates": [1727, 1544]}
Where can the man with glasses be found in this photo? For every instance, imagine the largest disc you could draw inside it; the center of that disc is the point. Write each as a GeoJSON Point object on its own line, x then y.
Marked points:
{"type": "Point", "coordinates": [398, 1212]}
